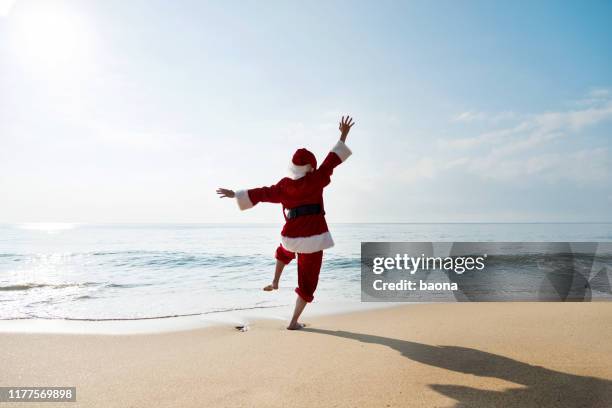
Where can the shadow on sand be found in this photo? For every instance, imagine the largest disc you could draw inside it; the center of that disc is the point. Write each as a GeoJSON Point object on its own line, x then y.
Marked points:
{"type": "Point", "coordinates": [542, 387]}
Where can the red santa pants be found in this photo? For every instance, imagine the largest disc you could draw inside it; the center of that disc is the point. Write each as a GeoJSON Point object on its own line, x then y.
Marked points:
{"type": "Point", "coordinates": [308, 268]}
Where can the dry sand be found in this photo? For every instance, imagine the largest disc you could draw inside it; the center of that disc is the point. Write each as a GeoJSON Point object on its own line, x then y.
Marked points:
{"type": "Point", "coordinates": [437, 355]}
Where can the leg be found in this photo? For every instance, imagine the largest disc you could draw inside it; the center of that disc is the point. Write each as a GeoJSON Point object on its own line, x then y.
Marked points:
{"type": "Point", "coordinates": [300, 304]}
{"type": "Point", "coordinates": [283, 257]}
{"type": "Point", "coordinates": [277, 274]}
{"type": "Point", "coordinates": [309, 266]}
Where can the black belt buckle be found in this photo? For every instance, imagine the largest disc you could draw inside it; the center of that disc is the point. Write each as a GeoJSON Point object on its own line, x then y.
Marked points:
{"type": "Point", "coordinates": [290, 214]}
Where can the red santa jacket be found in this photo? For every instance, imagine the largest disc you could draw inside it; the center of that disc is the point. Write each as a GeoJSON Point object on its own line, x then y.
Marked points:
{"type": "Point", "coordinates": [308, 233]}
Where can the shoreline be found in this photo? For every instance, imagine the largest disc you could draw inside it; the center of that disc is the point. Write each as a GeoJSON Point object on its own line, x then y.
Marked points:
{"type": "Point", "coordinates": [231, 318]}
{"type": "Point", "coordinates": [447, 355]}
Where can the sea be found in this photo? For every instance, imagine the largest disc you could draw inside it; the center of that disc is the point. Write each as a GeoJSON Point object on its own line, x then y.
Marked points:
{"type": "Point", "coordinates": [123, 278]}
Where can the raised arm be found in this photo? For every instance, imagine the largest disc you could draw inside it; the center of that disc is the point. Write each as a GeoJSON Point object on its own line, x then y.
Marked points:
{"type": "Point", "coordinates": [345, 127]}
{"type": "Point", "coordinates": [249, 198]}
{"type": "Point", "coordinates": [339, 153]}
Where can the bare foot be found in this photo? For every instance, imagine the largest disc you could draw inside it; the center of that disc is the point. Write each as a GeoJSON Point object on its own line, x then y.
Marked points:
{"type": "Point", "coordinates": [296, 326]}
{"type": "Point", "coordinates": [271, 287]}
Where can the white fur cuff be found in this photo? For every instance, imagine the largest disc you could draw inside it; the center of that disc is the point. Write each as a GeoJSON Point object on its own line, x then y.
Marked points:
{"type": "Point", "coordinates": [342, 150]}
{"type": "Point", "coordinates": [243, 200]}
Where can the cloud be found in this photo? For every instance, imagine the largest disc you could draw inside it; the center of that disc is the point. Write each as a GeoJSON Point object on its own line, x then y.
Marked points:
{"type": "Point", "coordinates": [583, 166]}
{"type": "Point", "coordinates": [468, 116]}
{"type": "Point", "coordinates": [6, 6]}
{"type": "Point", "coordinates": [536, 128]}
{"type": "Point", "coordinates": [525, 148]}
{"type": "Point", "coordinates": [474, 116]}
{"type": "Point", "coordinates": [423, 168]}
{"type": "Point", "coordinates": [600, 93]}
{"type": "Point", "coordinates": [573, 120]}
{"type": "Point", "coordinates": [595, 97]}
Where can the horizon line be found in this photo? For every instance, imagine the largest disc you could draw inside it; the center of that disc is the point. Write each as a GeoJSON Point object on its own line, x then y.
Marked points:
{"type": "Point", "coordinates": [280, 222]}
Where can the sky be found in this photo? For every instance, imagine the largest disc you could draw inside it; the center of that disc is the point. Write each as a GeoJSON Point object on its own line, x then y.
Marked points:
{"type": "Point", "coordinates": [470, 111]}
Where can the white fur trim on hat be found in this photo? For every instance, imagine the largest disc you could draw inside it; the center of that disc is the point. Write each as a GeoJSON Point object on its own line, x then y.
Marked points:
{"type": "Point", "coordinates": [342, 150]}
{"type": "Point", "coordinates": [308, 245]}
{"type": "Point", "coordinates": [243, 200]}
{"type": "Point", "coordinates": [297, 172]}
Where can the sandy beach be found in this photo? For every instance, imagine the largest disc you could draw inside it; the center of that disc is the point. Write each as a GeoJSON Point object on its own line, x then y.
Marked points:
{"type": "Point", "coordinates": [431, 355]}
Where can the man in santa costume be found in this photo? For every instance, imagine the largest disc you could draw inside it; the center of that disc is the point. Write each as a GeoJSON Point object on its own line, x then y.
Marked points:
{"type": "Point", "coordinates": [305, 233]}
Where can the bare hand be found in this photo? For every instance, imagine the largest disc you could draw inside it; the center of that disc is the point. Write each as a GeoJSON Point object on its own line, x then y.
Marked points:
{"type": "Point", "coordinates": [345, 126]}
{"type": "Point", "coordinates": [224, 192]}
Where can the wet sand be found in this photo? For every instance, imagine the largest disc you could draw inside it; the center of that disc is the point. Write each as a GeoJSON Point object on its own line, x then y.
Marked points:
{"type": "Point", "coordinates": [436, 355]}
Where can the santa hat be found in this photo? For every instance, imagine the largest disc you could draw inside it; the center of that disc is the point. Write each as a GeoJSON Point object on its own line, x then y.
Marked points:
{"type": "Point", "coordinates": [303, 162]}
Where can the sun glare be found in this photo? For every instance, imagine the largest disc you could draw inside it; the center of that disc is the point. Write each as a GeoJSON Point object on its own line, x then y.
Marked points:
{"type": "Point", "coordinates": [49, 227]}
{"type": "Point", "coordinates": [5, 7]}
{"type": "Point", "coordinates": [49, 35]}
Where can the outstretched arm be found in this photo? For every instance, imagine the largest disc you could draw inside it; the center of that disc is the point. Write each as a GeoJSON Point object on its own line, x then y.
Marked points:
{"type": "Point", "coordinates": [339, 153]}
{"type": "Point", "coordinates": [225, 193]}
{"type": "Point", "coordinates": [345, 127]}
{"type": "Point", "coordinates": [249, 198]}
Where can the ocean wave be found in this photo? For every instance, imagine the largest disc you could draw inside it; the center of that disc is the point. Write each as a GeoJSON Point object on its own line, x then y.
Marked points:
{"type": "Point", "coordinates": [126, 285]}
{"type": "Point", "coordinates": [84, 297]}
{"type": "Point", "coordinates": [116, 319]}
{"type": "Point", "coordinates": [174, 259]}
{"type": "Point", "coordinates": [560, 262]}
{"type": "Point", "coordinates": [32, 285]}
{"type": "Point", "coordinates": [342, 263]}
{"type": "Point", "coordinates": [171, 260]}
{"type": "Point", "coordinates": [148, 259]}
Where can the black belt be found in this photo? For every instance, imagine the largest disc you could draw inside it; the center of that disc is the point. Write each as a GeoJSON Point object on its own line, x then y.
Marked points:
{"type": "Point", "coordinates": [308, 209]}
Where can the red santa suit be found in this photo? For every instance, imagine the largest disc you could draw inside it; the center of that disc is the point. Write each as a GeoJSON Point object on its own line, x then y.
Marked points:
{"type": "Point", "coordinates": [306, 234]}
